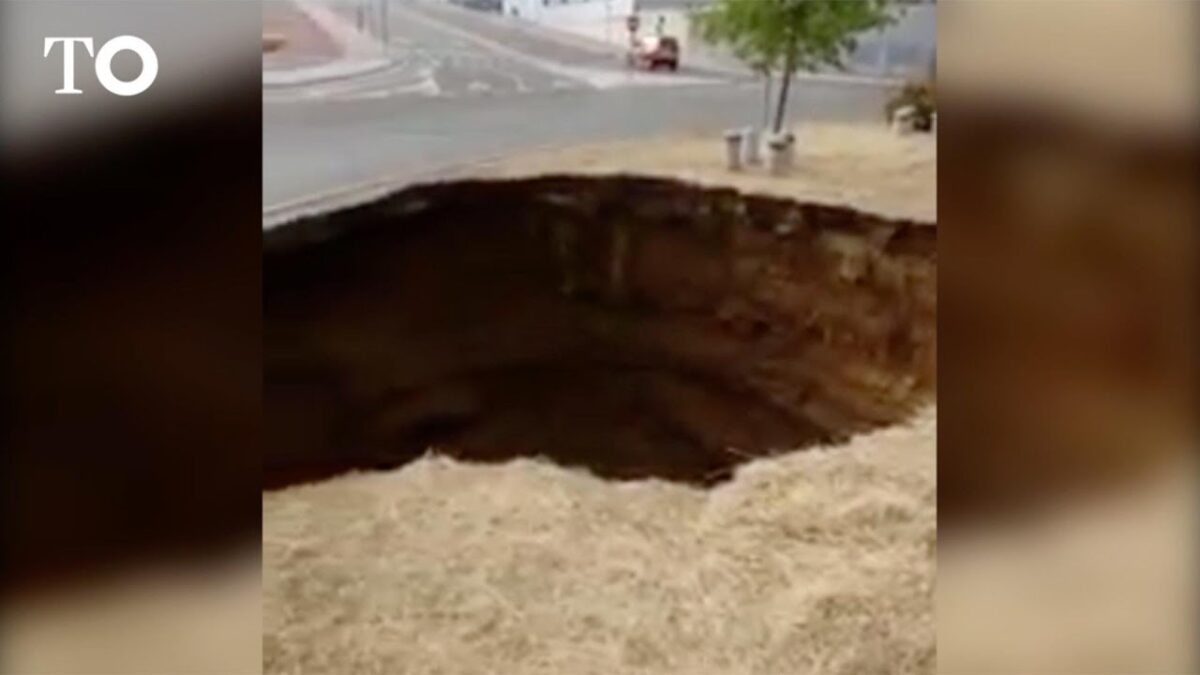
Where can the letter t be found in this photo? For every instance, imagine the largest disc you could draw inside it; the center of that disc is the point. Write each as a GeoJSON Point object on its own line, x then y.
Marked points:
{"type": "Point", "coordinates": [68, 60]}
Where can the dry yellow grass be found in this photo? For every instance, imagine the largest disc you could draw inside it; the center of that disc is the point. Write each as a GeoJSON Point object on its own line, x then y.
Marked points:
{"type": "Point", "coordinates": [813, 562]}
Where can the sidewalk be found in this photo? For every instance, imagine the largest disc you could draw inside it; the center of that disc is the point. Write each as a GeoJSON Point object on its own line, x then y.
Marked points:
{"type": "Point", "coordinates": [315, 44]}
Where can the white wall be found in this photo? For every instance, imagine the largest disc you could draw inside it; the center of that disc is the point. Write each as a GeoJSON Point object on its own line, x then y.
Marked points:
{"type": "Point", "coordinates": [903, 49]}
{"type": "Point", "coordinates": [568, 11]}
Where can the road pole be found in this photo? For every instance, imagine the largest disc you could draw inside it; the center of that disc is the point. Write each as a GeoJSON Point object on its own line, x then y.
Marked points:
{"type": "Point", "coordinates": [608, 21]}
{"type": "Point", "coordinates": [383, 29]}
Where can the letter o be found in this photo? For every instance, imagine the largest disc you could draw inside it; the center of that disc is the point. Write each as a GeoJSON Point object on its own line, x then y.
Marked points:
{"type": "Point", "coordinates": [140, 83]}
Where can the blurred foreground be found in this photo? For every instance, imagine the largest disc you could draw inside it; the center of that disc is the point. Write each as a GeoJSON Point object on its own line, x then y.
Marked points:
{"type": "Point", "coordinates": [1067, 199]}
{"type": "Point", "coordinates": [132, 346]}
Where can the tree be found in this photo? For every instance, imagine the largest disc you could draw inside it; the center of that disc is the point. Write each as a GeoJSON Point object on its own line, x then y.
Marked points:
{"type": "Point", "coordinates": [792, 35]}
{"type": "Point", "coordinates": [734, 23]}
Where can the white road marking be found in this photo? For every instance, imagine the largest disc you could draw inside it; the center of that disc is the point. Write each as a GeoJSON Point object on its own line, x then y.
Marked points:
{"type": "Point", "coordinates": [549, 66]}
{"type": "Point", "coordinates": [518, 83]}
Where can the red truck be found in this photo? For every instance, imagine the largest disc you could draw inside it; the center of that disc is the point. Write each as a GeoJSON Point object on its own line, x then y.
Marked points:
{"type": "Point", "coordinates": [655, 52]}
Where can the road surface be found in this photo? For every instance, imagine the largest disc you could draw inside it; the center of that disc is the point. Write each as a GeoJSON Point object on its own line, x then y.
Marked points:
{"type": "Point", "coordinates": [465, 87]}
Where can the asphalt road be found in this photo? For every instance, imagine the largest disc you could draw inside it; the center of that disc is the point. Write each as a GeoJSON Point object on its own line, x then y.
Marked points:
{"type": "Point", "coordinates": [465, 87]}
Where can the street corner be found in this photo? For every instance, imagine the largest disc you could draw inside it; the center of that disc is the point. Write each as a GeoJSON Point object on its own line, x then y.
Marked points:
{"type": "Point", "coordinates": [305, 42]}
{"type": "Point", "coordinates": [291, 39]}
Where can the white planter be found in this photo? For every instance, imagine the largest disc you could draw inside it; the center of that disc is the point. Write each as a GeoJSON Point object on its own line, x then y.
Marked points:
{"type": "Point", "coordinates": [904, 120]}
{"type": "Point", "coordinates": [781, 154]}
{"type": "Point", "coordinates": [752, 147]}
{"type": "Point", "coordinates": [733, 149]}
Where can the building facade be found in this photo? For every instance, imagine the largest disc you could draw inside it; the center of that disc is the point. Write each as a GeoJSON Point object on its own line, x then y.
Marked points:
{"type": "Point", "coordinates": [568, 11]}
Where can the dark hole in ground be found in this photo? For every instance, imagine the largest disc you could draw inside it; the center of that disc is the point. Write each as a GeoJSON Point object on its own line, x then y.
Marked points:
{"type": "Point", "coordinates": [634, 327]}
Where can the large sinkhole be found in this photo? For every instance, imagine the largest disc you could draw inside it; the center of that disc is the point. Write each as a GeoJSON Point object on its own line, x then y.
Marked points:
{"type": "Point", "coordinates": [633, 327]}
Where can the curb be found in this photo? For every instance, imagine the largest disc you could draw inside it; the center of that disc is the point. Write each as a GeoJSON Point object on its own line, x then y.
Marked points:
{"type": "Point", "coordinates": [361, 192]}
{"type": "Point", "coordinates": [835, 78]}
{"type": "Point", "coordinates": [326, 72]}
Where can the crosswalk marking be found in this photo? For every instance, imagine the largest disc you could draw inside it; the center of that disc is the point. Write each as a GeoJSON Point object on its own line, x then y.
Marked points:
{"type": "Point", "coordinates": [456, 72]}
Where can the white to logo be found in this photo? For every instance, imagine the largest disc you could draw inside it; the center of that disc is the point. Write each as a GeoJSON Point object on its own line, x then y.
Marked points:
{"type": "Point", "coordinates": [103, 63]}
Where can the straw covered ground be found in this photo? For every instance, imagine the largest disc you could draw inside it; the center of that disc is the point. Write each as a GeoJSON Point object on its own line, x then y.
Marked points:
{"type": "Point", "coordinates": [812, 562]}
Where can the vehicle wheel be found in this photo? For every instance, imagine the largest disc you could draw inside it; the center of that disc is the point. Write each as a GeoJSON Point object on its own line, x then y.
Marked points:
{"type": "Point", "coordinates": [673, 65]}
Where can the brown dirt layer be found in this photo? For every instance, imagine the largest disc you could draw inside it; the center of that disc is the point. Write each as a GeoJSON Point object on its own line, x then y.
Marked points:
{"type": "Point", "coordinates": [635, 327]}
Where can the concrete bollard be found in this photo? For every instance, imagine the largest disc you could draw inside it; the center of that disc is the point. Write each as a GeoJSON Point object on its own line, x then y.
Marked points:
{"type": "Point", "coordinates": [781, 153]}
{"type": "Point", "coordinates": [733, 149]}
{"type": "Point", "coordinates": [752, 147]}
{"type": "Point", "coordinates": [904, 120]}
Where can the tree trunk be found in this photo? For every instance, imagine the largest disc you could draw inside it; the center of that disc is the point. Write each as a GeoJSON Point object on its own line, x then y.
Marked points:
{"type": "Point", "coordinates": [766, 115]}
{"type": "Point", "coordinates": [788, 66]}
{"type": "Point", "coordinates": [783, 95]}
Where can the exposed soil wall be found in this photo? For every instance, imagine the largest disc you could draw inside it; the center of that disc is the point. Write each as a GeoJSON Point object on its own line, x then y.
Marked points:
{"type": "Point", "coordinates": [636, 327]}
